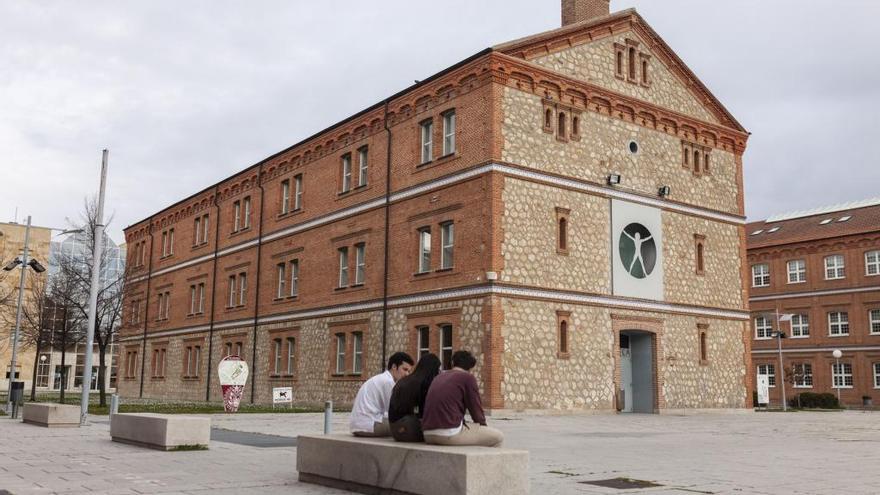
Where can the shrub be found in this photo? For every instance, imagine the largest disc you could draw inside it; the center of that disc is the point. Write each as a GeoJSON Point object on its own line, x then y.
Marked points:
{"type": "Point", "coordinates": [810, 400]}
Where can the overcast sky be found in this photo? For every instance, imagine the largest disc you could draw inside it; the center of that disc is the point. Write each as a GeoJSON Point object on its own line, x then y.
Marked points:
{"type": "Point", "coordinates": [186, 97]}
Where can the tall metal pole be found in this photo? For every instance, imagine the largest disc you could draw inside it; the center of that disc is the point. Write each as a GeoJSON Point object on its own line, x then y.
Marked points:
{"type": "Point", "coordinates": [781, 367]}
{"type": "Point", "coordinates": [98, 239]}
{"type": "Point", "coordinates": [24, 265]}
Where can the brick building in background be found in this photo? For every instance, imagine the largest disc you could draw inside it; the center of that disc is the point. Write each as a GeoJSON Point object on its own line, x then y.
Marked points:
{"type": "Point", "coordinates": [823, 267]}
{"type": "Point", "coordinates": [568, 207]}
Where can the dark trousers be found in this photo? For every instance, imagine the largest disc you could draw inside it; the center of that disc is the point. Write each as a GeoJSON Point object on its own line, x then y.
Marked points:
{"type": "Point", "coordinates": [407, 429]}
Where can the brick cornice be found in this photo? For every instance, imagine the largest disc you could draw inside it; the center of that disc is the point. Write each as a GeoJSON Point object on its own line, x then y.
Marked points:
{"type": "Point", "coordinates": [529, 77]}
{"type": "Point", "coordinates": [628, 20]}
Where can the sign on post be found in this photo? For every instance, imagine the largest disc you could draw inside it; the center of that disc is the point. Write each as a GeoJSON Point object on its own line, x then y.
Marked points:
{"type": "Point", "coordinates": [233, 373]}
{"type": "Point", "coordinates": [282, 395]}
{"type": "Point", "coordinates": [763, 389]}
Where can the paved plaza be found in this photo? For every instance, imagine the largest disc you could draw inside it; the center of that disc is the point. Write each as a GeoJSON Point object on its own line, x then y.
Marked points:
{"type": "Point", "coordinates": [750, 453]}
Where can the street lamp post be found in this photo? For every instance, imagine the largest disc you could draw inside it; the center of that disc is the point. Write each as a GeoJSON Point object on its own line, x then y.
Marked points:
{"type": "Point", "coordinates": [837, 355]}
{"type": "Point", "coordinates": [779, 334]}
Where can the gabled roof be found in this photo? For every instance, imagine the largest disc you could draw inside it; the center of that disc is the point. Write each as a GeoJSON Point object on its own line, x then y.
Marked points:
{"type": "Point", "coordinates": [590, 30]}
{"type": "Point", "coordinates": [822, 223]}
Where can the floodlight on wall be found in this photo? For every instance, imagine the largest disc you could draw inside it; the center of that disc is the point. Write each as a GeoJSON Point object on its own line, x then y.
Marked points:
{"type": "Point", "coordinates": [36, 265]}
{"type": "Point", "coordinates": [613, 179]}
{"type": "Point", "coordinates": [12, 264]}
{"type": "Point", "coordinates": [664, 191]}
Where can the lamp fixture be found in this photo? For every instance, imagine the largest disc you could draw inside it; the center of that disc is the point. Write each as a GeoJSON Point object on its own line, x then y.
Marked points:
{"type": "Point", "coordinates": [613, 179]}
{"type": "Point", "coordinates": [12, 264]}
{"type": "Point", "coordinates": [664, 191]}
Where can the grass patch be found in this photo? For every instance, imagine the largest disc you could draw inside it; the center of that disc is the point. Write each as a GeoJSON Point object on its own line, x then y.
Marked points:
{"type": "Point", "coordinates": [187, 448]}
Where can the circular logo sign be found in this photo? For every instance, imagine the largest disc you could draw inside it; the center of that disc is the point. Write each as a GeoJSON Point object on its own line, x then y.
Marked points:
{"type": "Point", "coordinates": [638, 251]}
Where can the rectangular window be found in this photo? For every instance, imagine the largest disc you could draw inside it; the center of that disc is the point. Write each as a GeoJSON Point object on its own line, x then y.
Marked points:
{"type": "Point", "coordinates": [362, 166]}
{"type": "Point", "coordinates": [446, 346]}
{"type": "Point", "coordinates": [164, 243]}
{"type": "Point", "coordinates": [841, 375]}
{"type": "Point", "coordinates": [205, 228]}
{"type": "Point", "coordinates": [427, 146]}
{"type": "Point", "coordinates": [769, 371]}
{"type": "Point", "coordinates": [874, 321]}
{"type": "Point", "coordinates": [797, 271]}
{"type": "Point", "coordinates": [876, 375]}
{"type": "Point", "coordinates": [246, 216]}
{"type": "Point", "coordinates": [357, 363]}
{"type": "Point", "coordinates": [424, 344]}
{"type": "Point", "coordinates": [170, 242]}
{"type": "Point", "coordinates": [294, 278]}
{"type": "Point", "coordinates": [343, 267]}
{"type": "Point", "coordinates": [238, 349]}
{"type": "Point", "coordinates": [278, 356]}
{"type": "Point", "coordinates": [282, 280]}
{"type": "Point", "coordinates": [43, 370]}
{"type": "Point", "coordinates": [196, 360]}
{"type": "Point", "coordinates": [340, 353]}
{"type": "Point", "coordinates": [193, 295]}
{"type": "Point", "coordinates": [447, 240]}
{"type": "Point", "coordinates": [291, 355]}
{"type": "Point", "coordinates": [360, 254]}
{"type": "Point", "coordinates": [803, 375]}
{"type": "Point", "coordinates": [800, 326]}
{"type": "Point", "coordinates": [449, 133]}
{"type": "Point", "coordinates": [227, 349]}
{"type": "Point", "coordinates": [346, 173]}
{"type": "Point", "coordinates": [232, 292]}
{"type": "Point", "coordinates": [838, 324]}
{"type": "Point", "coordinates": [424, 250]}
{"type": "Point", "coordinates": [763, 329]}
{"type": "Point", "coordinates": [761, 275]}
{"type": "Point", "coordinates": [834, 267]}
{"type": "Point", "coordinates": [872, 263]}
{"type": "Point", "coordinates": [197, 231]}
{"type": "Point", "coordinates": [297, 191]}
{"type": "Point", "coordinates": [236, 216]}
{"type": "Point", "coordinates": [242, 288]}
{"type": "Point", "coordinates": [200, 309]}
{"type": "Point", "coordinates": [285, 196]}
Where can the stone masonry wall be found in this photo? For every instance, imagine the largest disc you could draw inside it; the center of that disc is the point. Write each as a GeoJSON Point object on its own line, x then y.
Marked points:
{"type": "Point", "coordinates": [603, 148]}
{"type": "Point", "coordinates": [535, 378]}
{"type": "Point", "coordinates": [595, 63]}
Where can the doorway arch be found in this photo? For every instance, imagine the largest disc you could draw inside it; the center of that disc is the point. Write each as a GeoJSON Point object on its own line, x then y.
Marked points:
{"type": "Point", "coordinates": [638, 385]}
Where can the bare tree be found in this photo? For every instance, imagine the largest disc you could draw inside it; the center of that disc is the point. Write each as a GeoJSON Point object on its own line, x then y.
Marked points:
{"type": "Point", "coordinates": [75, 268]}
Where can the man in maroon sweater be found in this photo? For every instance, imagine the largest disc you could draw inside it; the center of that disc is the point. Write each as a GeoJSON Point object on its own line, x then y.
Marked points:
{"type": "Point", "coordinates": [452, 393]}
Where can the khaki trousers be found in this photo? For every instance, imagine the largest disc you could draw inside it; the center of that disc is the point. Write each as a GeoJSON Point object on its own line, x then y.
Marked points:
{"type": "Point", "coordinates": [382, 429]}
{"type": "Point", "coordinates": [472, 434]}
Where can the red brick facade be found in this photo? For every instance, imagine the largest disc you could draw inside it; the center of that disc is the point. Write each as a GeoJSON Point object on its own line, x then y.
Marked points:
{"type": "Point", "coordinates": [820, 296]}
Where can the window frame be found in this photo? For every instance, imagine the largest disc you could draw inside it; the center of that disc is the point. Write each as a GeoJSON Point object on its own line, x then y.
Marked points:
{"type": "Point", "coordinates": [297, 192]}
{"type": "Point", "coordinates": [285, 196]}
{"type": "Point", "coordinates": [357, 353]}
{"type": "Point", "coordinates": [839, 270]}
{"type": "Point", "coordinates": [363, 166]}
{"type": "Point", "coordinates": [874, 321]}
{"type": "Point", "coordinates": [770, 373]}
{"type": "Point", "coordinates": [340, 353]}
{"type": "Point", "coordinates": [447, 245]}
{"type": "Point", "coordinates": [844, 372]}
{"type": "Point", "coordinates": [281, 280]}
{"type": "Point", "coordinates": [803, 373]}
{"type": "Point", "coordinates": [760, 280]}
{"type": "Point", "coordinates": [345, 182]}
{"type": "Point", "coordinates": [342, 256]}
{"type": "Point", "coordinates": [294, 277]}
{"type": "Point", "coordinates": [875, 263]}
{"type": "Point", "coordinates": [801, 328]}
{"type": "Point", "coordinates": [360, 263]}
{"type": "Point", "coordinates": [449, 129]}
{"type": "Point", "coordinates": [445, 354]}
{"type": "Point", "coordinates": [800, 272]}
{"type": "Point", "coordinates": [423, 340]}
{"type": "Point", "coordinates": [426, 141]}
{"type": "Point", "coordinates": [766, 329]}
{"type": "Point", "coordinates": [424, 259]}
{"type": "Point", "coordinates": [842, 324]}
{"type": "Point", "coordinates": [876, 369]}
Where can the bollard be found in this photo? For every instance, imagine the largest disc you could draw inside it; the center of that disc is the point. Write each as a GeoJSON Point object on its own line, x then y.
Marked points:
{"type": "Point", "coordinates": [328, 417]}
{"type": "Point", "coordinates": [114, 404]}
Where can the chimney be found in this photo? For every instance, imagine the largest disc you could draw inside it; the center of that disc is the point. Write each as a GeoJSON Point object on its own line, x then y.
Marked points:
{"type": "Point", "coordinates": [583, 10]}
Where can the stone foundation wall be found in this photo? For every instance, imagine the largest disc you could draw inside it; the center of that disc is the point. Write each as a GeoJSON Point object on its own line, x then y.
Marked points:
{"type": "Point", "coordinates": [535, 378]}
{"type": "Point", "coordinates": [603, 148]}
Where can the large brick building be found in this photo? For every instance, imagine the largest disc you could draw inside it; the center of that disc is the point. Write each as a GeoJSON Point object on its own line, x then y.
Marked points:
{"type": "Point", "coordinates": [568, 206]}
{"type": "Point", "coordinates": [821, 268]}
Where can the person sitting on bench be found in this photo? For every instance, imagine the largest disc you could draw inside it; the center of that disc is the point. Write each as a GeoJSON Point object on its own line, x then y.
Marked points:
{"type": "Point", "coordinates": [452, 393]}
{"type": "Point", "coordinates": [408, 400]}
{"type": "Point", "coordinates": [369, 414]}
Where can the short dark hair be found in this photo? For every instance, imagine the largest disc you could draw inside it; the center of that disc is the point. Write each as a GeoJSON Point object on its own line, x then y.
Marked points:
{"type": "Point", "coordinates": [464, 360]}
{"type": "Point", "coordinates": [399, 358]}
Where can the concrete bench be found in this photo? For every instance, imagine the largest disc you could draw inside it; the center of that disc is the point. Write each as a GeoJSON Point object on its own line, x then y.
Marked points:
{"type": "Point", "coordinates": [51, 415]}
{"type": "Point", "coordinates": [383, 466]}
{"type": "Point", "coordinates": [161, 431]}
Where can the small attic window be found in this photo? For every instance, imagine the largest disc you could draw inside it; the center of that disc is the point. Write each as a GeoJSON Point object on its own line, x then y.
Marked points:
{"type": "Point", "coordinates": [826, 221]}
{"type": "Point", "coordinates": [757, 232]}
{"type": "Point", "coordinates": [774, 229]}
{"type": "Point", "coordinates": [844, 219]}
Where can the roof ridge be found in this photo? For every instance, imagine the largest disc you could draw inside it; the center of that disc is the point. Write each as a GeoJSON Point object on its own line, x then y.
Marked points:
{"type": "Point", "coordinates": [824, 210]}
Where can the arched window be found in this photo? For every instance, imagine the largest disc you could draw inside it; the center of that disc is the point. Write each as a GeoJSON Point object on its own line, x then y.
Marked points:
{"type": "Point", "coordinates": [575, 126]}
{"type": "Point", "coordinates": [560, 129]}
{"type": "Point", "coordinates": [563, 337]}
{"type": "Point", "coordinates": [704, 351]}
{"type": "Point", "coordinates": [696, 161]}
{"type": "Point", "coordinates": [644, 71]}
{"type": "Point", "coordinates": [620, 63]}
{"type": "Point", "coordinates": [706, 162]}
{"type": "Point", "coordinates": [700, 259]}
{"type": "Point", "coordinates": [687, 157]}
{"type": "Point", "coordinates": [632, 63]}
{"type": "Point", "coordinates": [563, 234]}
{"type": "Point", "coordinates": [548, 119]}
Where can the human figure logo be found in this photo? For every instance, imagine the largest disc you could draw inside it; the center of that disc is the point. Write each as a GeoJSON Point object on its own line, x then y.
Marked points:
{"type": "Point", "coordinates": [638, 251]}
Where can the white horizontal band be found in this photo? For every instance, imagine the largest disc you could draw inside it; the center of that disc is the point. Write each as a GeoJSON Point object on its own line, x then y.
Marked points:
{"type": "Point", "coordinates": [829, 292]}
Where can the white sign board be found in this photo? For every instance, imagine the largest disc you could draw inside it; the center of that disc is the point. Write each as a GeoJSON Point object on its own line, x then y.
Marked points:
{"type": "Point", "coordinates": [282, 395]}
{"type": "Point", "coordinates": [636, 251]}
{"type": "Point", "coordinates": [763, 389]}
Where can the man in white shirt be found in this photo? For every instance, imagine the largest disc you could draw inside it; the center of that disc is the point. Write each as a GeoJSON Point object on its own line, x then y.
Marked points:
{"type": "Point", "coordinates": [369, 414]}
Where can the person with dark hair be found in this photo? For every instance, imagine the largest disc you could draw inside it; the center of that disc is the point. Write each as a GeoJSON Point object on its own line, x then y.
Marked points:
{"type": "Point", "coordinates": [450, 395]}
{"type": "Point", "coordinates": [369, 414]}
{"type": "Point", "coordinates": [408, 400]}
